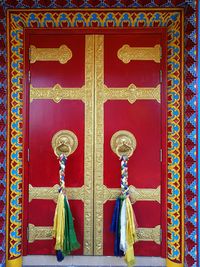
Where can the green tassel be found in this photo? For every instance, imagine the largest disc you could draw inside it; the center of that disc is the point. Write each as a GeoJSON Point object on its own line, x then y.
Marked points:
{"type": "Point", "coordinates": [70, 240]}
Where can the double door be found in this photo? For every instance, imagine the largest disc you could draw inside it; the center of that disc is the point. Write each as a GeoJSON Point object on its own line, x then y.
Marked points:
{"type": "Point", "coordinates": [95, 85]}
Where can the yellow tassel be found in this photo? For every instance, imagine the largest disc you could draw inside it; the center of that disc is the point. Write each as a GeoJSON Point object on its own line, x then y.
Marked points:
{"type": "Point", "coordinates": [131, 237]}
{"type": "Point", "coordinates": [59, 223]}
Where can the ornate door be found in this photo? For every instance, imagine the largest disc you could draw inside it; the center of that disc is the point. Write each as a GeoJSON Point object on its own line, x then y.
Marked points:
{"type": "Point", "coordinates": [61, 98]}
{"type": "Point", "coordinates": [94, 86]}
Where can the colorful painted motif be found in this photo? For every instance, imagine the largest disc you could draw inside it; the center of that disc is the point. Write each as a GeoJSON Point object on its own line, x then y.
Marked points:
{"type": "Point", "coordinates": [190, 102]}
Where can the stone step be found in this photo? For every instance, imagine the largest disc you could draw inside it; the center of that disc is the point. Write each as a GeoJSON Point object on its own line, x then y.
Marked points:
{"type": "Point", "coordinates": [89, 261]}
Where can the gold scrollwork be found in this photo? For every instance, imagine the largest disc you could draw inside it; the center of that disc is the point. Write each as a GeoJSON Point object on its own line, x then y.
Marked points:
{"type": "Point", "coordinates": [57, 93]}
{"type": "Point", "coordinates": [43, 192]}
{"type": "Point", "coordinates": [46, 233]}
{"type": "Point", "coordinates": [144, 194]}
{"type": "Point", "coordinates": [136, 194]}
{"type": "Point", "coordinates": [132, 93]}
{"type": "Point", "coordinates": [62, 54]}
{"type": "Point", "coordinates": [51, 193]}
{"type": "Point", "coordinates": [149, 234]}
{"type": "Point", "coordinates": [127, 53]}
{"type": "Point", "coordinates": [39, 233]}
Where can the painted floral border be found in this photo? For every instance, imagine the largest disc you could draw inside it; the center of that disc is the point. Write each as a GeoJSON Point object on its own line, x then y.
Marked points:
{"type": "Point", "coordinates": [190, 7]}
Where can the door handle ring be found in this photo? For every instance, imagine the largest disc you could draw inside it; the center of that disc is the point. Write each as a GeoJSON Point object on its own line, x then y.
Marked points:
{"type": "Point", "coordinates": [64, 142]}
{"type": "Point", "coordinates": [123, 143]}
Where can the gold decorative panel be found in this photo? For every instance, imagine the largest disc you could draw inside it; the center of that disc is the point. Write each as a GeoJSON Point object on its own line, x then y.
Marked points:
{"type": "Point", "coordinates": [132, 93]}
{"type": "Point", "coordinates": [62, 54]}
{"type": "Point", "coordinates": [149, 234]}
{"type": "Point", "coordinates": [39, 233]}
{"type": "Point", "coordinates": [57, 93]}
{"type": "Point", "coordinates": [136, 194]}
{"type": "Point", "coordinates": [46, 233]}
{"type": "Point", "coordinates": [51, 193]}
{"type": "Point", "coordinates": [127, 53]}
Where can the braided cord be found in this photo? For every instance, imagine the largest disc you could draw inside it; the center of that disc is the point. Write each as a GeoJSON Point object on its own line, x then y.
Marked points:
{"type": "Point", "coordinates": [62, 162]}
{"type": "Point", "coordinates": [124, 175]}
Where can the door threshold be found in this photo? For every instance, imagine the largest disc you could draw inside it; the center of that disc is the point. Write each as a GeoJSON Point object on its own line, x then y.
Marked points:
{"type": "Point", "coordinates": [49, 261]}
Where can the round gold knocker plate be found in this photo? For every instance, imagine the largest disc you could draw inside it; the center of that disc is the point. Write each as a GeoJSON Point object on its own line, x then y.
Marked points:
{"type": "Point", "coordinates": [64, 142]}
{"type": "Point", "coordinates": [123, 143]}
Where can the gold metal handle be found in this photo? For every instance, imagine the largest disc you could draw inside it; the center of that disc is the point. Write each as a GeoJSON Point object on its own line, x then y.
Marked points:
{"type": "Point", "coordinates": [64, 142]}
{"type": "Point", "coordinates": [123, 143]}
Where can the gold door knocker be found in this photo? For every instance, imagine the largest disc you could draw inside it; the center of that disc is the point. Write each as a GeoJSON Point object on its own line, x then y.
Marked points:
{"type": "Point", "coordinates": [123, 143]}
{"type": "Point", "coordinates": [64, 142]}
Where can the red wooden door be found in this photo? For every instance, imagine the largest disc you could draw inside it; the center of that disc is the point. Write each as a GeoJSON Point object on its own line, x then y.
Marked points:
{"type": "Point", "coordinates": [130, 96]}
{"type": "Point", "coordinates": [60, 99]}
{"type": "Point", "coordinates": [90, 94]}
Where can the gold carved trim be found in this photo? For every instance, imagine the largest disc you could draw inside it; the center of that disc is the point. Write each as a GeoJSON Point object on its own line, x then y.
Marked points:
{"type": "Point", "coordinates": [88, 145]}
{"type": "Point", "coordinates": [127, 53]}
{"type": "Point", "coordinates": [149, 234]}
{"type": "Point", "coordinates": [98, 145]}
{"type": "Point", "coordinates": [51, 193]}
{"type": "Point", "coordinates": [62, 54]}
{"type": "Point", "coordinates": [46, 233]}
{"type": "Point", "coordinates": [136, 194]}
{"type": "Point", "coordinates": [39, 233]}
{"type": "Point", "coordinates": [57, 93]}
{"type": "Point", "coordinates": [132, 93]}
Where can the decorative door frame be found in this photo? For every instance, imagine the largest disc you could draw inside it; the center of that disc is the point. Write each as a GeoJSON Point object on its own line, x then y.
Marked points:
{"type": "Point", "coordinates": [173, 19]}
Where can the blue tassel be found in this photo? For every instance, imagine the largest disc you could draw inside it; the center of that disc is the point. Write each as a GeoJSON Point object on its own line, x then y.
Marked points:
{"type": "Point", "coordinates": [115, 227]}
{"type": "Point", "coordinates": [59, 255]}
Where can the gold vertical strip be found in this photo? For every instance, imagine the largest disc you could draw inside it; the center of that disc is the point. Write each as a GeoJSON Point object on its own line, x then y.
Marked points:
{"type": "Point", "coordinates": [99, 138]}
{"type": "Point", "coordinates": [88, 147]}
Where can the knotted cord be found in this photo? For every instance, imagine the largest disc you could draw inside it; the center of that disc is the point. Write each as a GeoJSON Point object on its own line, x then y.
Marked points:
{"type": "Point", "coordinates": [62, 162]}
{"type": "Point", "coordinates": [124, 175]}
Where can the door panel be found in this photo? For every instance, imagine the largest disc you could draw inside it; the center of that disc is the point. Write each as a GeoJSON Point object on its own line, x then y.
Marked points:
{"type": "Point", "coordinates": [91, 94]}
{"type": "Point", "coordinates": [61, 98]}
{"type": "Point", "coordinates": [121, 110]}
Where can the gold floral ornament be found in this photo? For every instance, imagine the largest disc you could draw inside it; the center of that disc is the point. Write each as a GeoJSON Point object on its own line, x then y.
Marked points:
{"type": "Point", "coordinates": [123, 143]}
{"type": "Point", "coordinates": [64, 142]}
{"type": "Point", "coordinates": [62, 54]}
{"type": "Point", "coordinates": [127, 53]}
